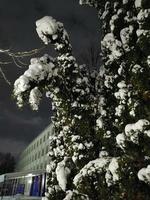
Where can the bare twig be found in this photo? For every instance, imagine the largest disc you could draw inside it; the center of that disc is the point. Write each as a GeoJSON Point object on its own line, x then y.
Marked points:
{"type": "Point", "coordinates": [21, 62]}
{"type": "Point", "coordinates": [4, 77]}
{"type": "Point", "coordinates": [5, 63]}
{"type": "Point", "coordinates": [21, 54]}
{"type": "Point", "coordinates": [16, 59]}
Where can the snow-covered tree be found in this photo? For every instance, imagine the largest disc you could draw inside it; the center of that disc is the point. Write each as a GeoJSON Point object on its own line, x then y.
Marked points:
{"type": "Point", "coordinates": [72, 91]}
{"type": "Point", "coordinates": [100, 149]}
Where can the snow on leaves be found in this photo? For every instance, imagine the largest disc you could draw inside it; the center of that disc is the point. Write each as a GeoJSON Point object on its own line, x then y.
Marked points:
{"type": "Point", "coordinates": [132, 132]}
{"type": "Point", "coordinates": [105, 164]}
{"type": "Point", "coordinates": [144, 174]}
{"type": "Point", "coordinates": [40, 69]}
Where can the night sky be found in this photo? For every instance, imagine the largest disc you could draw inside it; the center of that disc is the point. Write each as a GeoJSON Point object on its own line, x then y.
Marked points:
{"type": "Point", "coordinates": [17, 32]}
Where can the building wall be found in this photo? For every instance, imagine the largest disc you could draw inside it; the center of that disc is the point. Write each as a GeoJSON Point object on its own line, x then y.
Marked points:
{"type": "Point", "coordinates": [35, 157]}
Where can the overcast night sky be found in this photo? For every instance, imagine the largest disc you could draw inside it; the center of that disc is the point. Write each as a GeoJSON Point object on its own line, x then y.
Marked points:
{"type": "Point", "coordinates": [17, 31]}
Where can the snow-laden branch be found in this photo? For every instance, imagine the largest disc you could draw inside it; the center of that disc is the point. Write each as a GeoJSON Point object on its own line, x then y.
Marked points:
{"type": "Point", "coordinates": [30, 84]}
{"type": "Point", "coordinates": [51, 31]}
{"type": "Point", "coordinates": [62, 74]}
{"type": "Point", "coordinates": [4, 76]}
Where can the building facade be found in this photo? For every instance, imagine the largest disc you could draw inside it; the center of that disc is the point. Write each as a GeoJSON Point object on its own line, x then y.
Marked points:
{"type": "Point", "coordinates": [35, 157]}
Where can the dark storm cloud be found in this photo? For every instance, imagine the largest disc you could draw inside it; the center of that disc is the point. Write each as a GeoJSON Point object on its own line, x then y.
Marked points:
{"type": "Point", "coordinates": [17, 31]}
{"type": "Point", "coordinates": [11, 145]}
{"type": "Point", "coordinates": [19, 122]}
{"type": "Point", "coordinates": [19, 119]}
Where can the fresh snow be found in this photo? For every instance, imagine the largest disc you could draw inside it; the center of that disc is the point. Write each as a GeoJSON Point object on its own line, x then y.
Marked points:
{"type": "Point", "coordinates": [34, 98]}
{"type": "Point", "coordinates": [132, 131]}
{"type": "Point", "coordinates": [144, 174]}
{"type": "Point", "coordinates": [120, 139]}
{"type": "Point", "coordinates": [138, 3]}
{"type": "Point", "coordinates": [46, 26]}
{"type": "Point", "coordinates": [95, 165]}
{"type": "Point", "coordinates": [62, 173]}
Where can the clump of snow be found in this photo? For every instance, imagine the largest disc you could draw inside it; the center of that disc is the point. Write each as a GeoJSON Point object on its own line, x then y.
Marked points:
{"type": "Point", "coordinates": [79, 81]}
{"type": "Point", "coordinates": [112, 172]}
{"type": "Point", "coordinates": [137, 68]}
{"type": "Point", "coordinates": [144, 174]}
{"type": "Point", "coordinates": [101, 106]}
{"type": "Point", "coordinates": [142, 16]}
{"type": "Point", "coordinates": [147, 132]}
{"type": "Point", "coordinates": [119, 110]}
{"type": "Point", "coordinates": [99, 122]}
{"type": "Point", "coordinates": [50, 167]}
{"type": "Point", "coordinates": [112, 22]}
{"type": "Point", "coordinates": [139, 125]}
{"type": "Point", "coordinates": [138, 3]}
{"type": "Point", "coordinates": [103, 154]}
{"type": "Point", "coordinates": [74, 104]}
{"type": "Point", "coordinates": [132, 131]}
{"type": "Point", "coordinates": [142, 33]}
{"type": "Point", "coordinates": [121, 84]}
{"type": "Point", "coordinates": [108, 81]}
{"type": "Point", "coordinates": [125, 35]}
{"type": "Point", "coordinates": [75, 138]}
{"type": "Point", "coordinates": [77, 146]}
{"type": "Point", "coordinates": [47, 26]}
{"type": "Point", "coordinates": [52, 190]}
{"type": "Point", "coordinates": [34, 98]}
{"type": "Point", "coordinates": [132, 112]}
{"type": "Point", "coordinates": [107, 134]}
{"type": "Point", "coordinates": [148, 60]}
{"type": "Point", "coordinates": [62, 173]}
{"type": "Point", "coordinates": [120, 139]}
{"type": "Point", "coordinates": [89, 2]}
{"type": "Point", "coordinates": [121, 69]}
{"type": "Point", "coordinates": [113, 167]}
{"type": "Point", "coordinates": [21, 84]}
{"type": "Point", "coordinates": [125, 1]}
{"type": "Point", "coordinates": [56, 148]}
{"type": "Point", "coordinates": [93, 166]}
{"type": "Point", "coordinates": [39, 69]}
{"type": "Point", "coordinates": [121, 94]}
{"type": "Point", "coordinates": [113, 45]}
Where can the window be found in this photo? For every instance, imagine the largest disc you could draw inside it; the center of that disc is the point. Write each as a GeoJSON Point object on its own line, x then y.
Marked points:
{"type": "Point", "coordinates": [32, 158]}
{"type": "Point", "coordinates": [40, 140]}
{"type": "Point", "coordinates": [47, 149]}
{"type": "Point", "coordinates": [41, 167]}
{"type": "Point", "coordinates": [44, 138]}
{"type": "Point", "coordinates": [45, 165]}
{"type": "Point", "coordinates": [42, 152]}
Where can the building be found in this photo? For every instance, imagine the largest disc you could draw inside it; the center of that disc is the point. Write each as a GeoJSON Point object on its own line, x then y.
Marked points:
{"type": "Point", "coordinates": [29, 180]}
{"type": "Point", "coordinates": [23, 185]}
{"type": "Point", "coordinates": [35, 157]}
